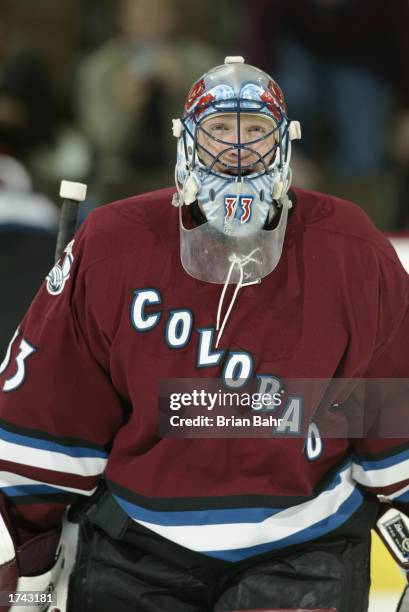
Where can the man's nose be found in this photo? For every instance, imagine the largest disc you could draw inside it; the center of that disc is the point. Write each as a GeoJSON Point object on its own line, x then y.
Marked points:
{"type": "Point", "coordinates": [236, 153]}
{"type": "Point", "coordinates": [244, 136]}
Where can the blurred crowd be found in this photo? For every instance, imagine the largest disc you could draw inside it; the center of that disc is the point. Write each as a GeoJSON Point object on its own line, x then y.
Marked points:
{"type": "Point", "coordinates": [88, 89]}
{"type": "Point", "coordinates": [344, 68]}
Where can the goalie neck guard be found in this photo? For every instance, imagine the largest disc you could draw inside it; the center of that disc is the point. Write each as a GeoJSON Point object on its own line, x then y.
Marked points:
{"type": "Point", "coordinates": [233, 156]}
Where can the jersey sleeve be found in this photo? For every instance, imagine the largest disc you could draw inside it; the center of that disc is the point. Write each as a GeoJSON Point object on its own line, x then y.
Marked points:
{"type": "Point", "coordinates": [59, 410]}
{"type": "Point", "coordinates": [381, 460]}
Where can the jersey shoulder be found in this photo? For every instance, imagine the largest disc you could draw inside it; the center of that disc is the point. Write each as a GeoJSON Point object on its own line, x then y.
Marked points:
{"type": "Point", "coordinates": [130, 224]}
{"type": "Point", "coordinates": [339, 221]}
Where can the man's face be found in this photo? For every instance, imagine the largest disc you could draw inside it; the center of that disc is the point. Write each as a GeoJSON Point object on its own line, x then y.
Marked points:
{"type": "Point", "coordinates": [257, 138]}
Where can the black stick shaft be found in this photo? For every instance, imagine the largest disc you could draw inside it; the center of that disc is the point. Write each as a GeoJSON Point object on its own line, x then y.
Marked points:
{"type": "Point", "coordinates": [68, 223]}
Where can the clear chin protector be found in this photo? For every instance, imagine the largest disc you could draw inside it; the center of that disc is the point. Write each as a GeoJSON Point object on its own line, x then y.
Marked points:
{"type": "Point", "coordinates": [234, 148]}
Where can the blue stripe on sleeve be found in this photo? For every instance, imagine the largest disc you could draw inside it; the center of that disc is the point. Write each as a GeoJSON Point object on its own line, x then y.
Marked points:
{"type": "Point", "coordinates": [22, 490]}
{"type": "Point", "coordinates": [71, 451]}
{"type": "Point", "coordinates": [379, 464]}
{"type": "Point", "coordinates": [402, 498]}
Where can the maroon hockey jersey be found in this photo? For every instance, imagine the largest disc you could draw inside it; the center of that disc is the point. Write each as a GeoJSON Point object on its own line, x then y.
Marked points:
{"type": "Point", "coordinates": [118, 314]}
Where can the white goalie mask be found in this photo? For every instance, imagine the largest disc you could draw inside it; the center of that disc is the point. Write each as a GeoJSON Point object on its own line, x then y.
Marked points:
{"type": "Point", "coordinates": [233, 156]}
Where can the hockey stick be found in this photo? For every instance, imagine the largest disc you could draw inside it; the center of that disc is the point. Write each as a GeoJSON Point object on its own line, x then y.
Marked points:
{"type": "Point", "coordinates": [72, 194]}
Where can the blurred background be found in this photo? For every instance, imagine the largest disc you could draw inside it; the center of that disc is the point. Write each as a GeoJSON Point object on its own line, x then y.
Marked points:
{"type": "Point", "coordinates": [88, 89]}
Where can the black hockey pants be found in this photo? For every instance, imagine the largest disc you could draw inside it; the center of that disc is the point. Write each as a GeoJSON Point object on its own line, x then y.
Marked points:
{"type": "Point", "coordinates": [129, 573]}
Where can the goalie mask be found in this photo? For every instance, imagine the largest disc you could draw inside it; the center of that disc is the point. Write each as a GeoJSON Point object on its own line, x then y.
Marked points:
{"type": "Point", "coordinates": [233, 155]}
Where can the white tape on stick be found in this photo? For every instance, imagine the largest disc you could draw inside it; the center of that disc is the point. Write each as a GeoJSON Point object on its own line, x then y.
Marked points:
{"type": "Point", "coordinates": [70, 190]}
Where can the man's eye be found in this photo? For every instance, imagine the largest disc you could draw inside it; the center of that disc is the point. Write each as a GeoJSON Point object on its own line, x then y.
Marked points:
{"type": "Point", "coordinates": [219, 127]}
{"type": "Point", "coordinates": [256, 129]}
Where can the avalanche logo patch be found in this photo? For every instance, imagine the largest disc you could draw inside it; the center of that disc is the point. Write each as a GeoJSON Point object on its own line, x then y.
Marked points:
{"type": "Point", "coordinates": [58, 276]}
{"type": "Point", "coordinates": [240, 210]}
